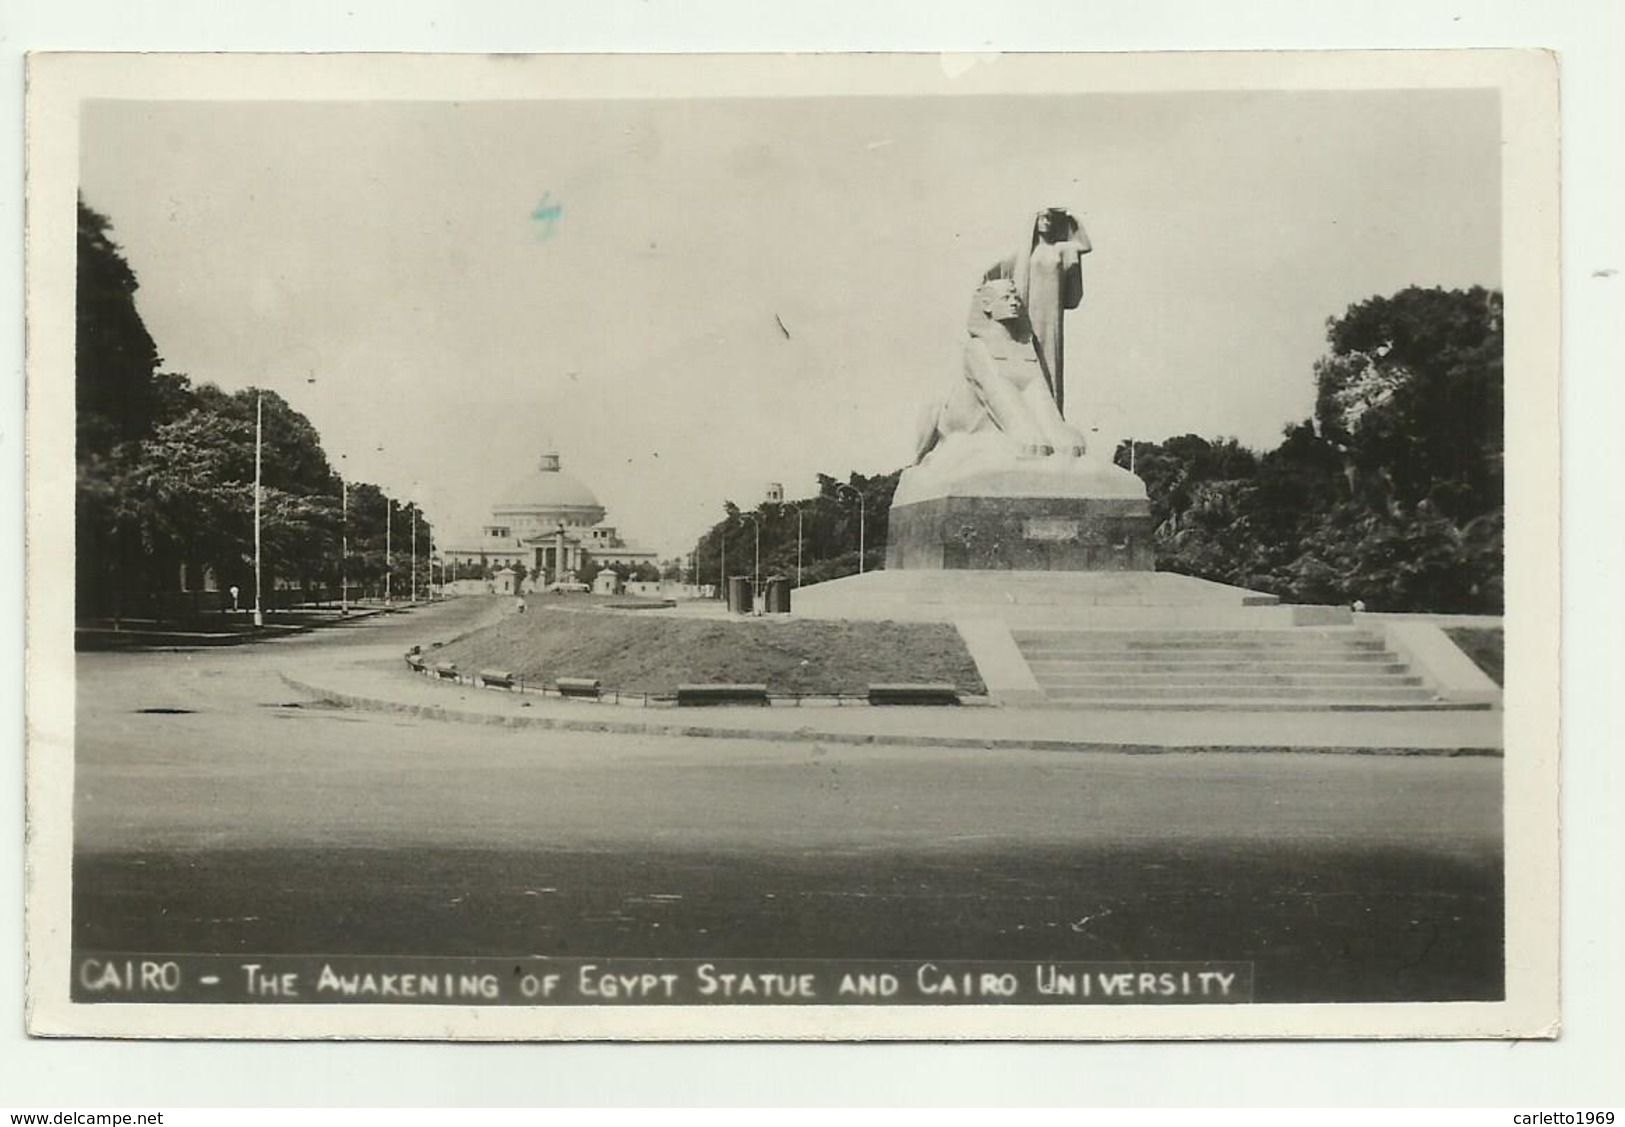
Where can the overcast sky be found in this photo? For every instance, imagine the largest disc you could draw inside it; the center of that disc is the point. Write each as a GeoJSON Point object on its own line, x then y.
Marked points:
{"type": "Point", "coordinates": [381, 266]}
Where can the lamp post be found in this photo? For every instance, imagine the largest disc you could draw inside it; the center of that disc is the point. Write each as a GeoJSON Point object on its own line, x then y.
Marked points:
{"type": "Point", "coordinates": [344, 528]}
{"type": "Point", "coordinates": [259, 434]}
{"type": "Point", "coordinates": [389, 549]}
{"type": "Point", "coordinates": [856, 493]}
{"type": "Point", "coordinates": [796, 505]}
{"type": "Point", "coordinates": [344, 545]}
{"type": "Point", "coordinates": [389, 546]}
{"type": "Point", "coordinates": [414, 553]}
{"type": "Point", "coordinates": [798, 544]}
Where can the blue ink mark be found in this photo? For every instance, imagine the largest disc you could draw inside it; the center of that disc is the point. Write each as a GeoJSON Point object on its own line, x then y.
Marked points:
{"type": "Point", "coordinates": [547, 213]}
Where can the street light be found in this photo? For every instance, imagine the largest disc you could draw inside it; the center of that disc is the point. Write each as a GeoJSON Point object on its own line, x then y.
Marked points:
{"type": "Point", "coordinates": [856, 493]}
{"type": "Point", "coordinates": [259, 434]}
{"type": "Point", "coordinates": [389, 548]}
{"type": "Point", "coordinates": [344, 529]}
{"type": "Point", "coordinates": [389, 540]}
{"type": "Point", "coordinates": [344, 542]}
{"type": "Point", "coordinates": [796, 505]}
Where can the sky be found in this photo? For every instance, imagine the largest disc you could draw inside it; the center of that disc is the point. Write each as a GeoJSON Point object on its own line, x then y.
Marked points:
{"type": "Point", "coordinates": [388, 268]}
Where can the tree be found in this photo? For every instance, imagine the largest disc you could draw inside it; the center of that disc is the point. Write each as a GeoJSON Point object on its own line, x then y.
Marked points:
{"type": "Point", "coordinates": [187, 494]}
{"type": "Point", "coordinates": [119, 396]}
{"type": "Point", "coordinates": [117, 392]}
{"type": "Point", "coordinates": [1417, 561]}
{"type": "Point", "coordinates": [165, 482]}
{"type": "Point", "coordinates": [412, 533]}
{"type": "Point", "coordinates": [291, 450]}
{"type": "Point", "coordinates": [1391, 495]}
{"type": "Point", "coordinates": [368, 515]}
{"type": "Point", "coordinates": [830, 530]}
{"type": "Point", "coordinates": [471, 569]}
{"type": "Point", "coordinates": [589, 569]}
{"type": "Point", "coordinates": [188, 491]}
{"type": "Point", "coordinates": [1411, 392]}
{"type": "Point", "coordinates": [1174, 470]}
{"type": "Point", "coordinates": [838, 517]}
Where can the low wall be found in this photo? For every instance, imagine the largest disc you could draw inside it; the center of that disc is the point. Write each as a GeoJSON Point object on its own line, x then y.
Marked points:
{"type": "Point", "coordinates": [1440, 663]}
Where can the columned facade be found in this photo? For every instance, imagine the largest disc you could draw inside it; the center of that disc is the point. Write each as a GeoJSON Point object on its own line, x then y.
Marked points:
{"type": "Point", "coordinates": [552, 524]}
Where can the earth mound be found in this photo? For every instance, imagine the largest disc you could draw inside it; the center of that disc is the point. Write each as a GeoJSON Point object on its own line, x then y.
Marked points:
{"type": "Point", "coordinates": [641, 651]}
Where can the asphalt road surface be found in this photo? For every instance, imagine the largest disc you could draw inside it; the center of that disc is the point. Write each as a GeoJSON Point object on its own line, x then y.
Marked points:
{"type": "Point", "coordinates": [253, 822]}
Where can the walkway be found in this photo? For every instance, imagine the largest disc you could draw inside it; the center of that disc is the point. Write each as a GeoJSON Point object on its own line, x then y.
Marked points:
{"type": "Point", "coordinates": [371, 678]}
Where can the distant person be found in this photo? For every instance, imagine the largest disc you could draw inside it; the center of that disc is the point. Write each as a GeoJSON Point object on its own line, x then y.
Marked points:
{"type": "Point", "coordinates": [234, 593]}
{"type": "Point", "coordinates": [521, 604]}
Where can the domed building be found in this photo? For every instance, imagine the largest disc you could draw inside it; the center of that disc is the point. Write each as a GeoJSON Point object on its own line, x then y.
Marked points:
{"type": "Point", "coordinates": [550, 522]}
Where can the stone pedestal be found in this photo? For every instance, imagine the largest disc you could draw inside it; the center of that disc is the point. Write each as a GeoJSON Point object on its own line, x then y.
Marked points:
{"type": "Point", "coordinates": [1020, 534]}
{"type": "Point", "coordinates": [1044, 513]}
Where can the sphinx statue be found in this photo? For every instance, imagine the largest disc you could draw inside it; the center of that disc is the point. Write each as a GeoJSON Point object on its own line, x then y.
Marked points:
{"type": "Point", "coordinates": [1002, 389]}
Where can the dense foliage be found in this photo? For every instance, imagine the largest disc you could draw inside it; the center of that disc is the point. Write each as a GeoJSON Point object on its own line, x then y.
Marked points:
{"type": "Point", "coordinates": [1391, 495]}
{"type": "Point", "coordinates": [165, 487]}
{"type": "Point", "coordinates": [830, 524]}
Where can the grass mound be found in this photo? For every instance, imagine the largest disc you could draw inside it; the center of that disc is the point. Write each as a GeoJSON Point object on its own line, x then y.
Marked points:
{"type": "Point", "coordinates": [642, 652]}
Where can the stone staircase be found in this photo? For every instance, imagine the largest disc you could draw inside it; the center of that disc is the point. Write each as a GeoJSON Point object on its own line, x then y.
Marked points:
{"type": "Point", "coordinates": [1308, 668]}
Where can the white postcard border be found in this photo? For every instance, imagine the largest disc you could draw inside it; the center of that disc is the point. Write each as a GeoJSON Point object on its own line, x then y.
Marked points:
{"type": "Point", "coordinates": [1527, 80]}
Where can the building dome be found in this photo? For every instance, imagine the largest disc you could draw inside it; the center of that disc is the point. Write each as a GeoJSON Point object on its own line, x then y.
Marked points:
{"type": "Point", "coordinates": [543, 528]}
{"type": "Point", "coordinates": [547, 493]}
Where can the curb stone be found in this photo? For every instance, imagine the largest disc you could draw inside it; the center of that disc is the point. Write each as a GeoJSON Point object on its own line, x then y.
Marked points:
{"type": "Point", "coordinates": [802, 735]}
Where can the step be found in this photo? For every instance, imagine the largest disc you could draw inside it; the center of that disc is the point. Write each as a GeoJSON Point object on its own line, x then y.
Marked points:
{"type": "Point", "coordinates": [1083, 643]}
{"type": "Point", "coordinates": [1306, 704]}
{"type": "Point", "coordinates": [1245, 678]}
{"type": "Point", "coordinates": [1035, 657]}
{"type": "Point", "coordinates": [1106, 665]}
{"type": "Point", "coordinates": [1241, 692]}
{"type": "Point", "coordinates": [1213, 637]}
{"type": "Point", "coordinates": [1225, 669]}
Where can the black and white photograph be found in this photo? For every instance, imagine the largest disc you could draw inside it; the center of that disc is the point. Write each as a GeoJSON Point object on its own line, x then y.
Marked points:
{"type": "Point", "coordinates": [800, 547]}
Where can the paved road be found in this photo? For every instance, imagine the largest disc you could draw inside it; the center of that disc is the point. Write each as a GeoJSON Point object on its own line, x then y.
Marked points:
{"type": "Point", "coordinates": [255, 822]}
